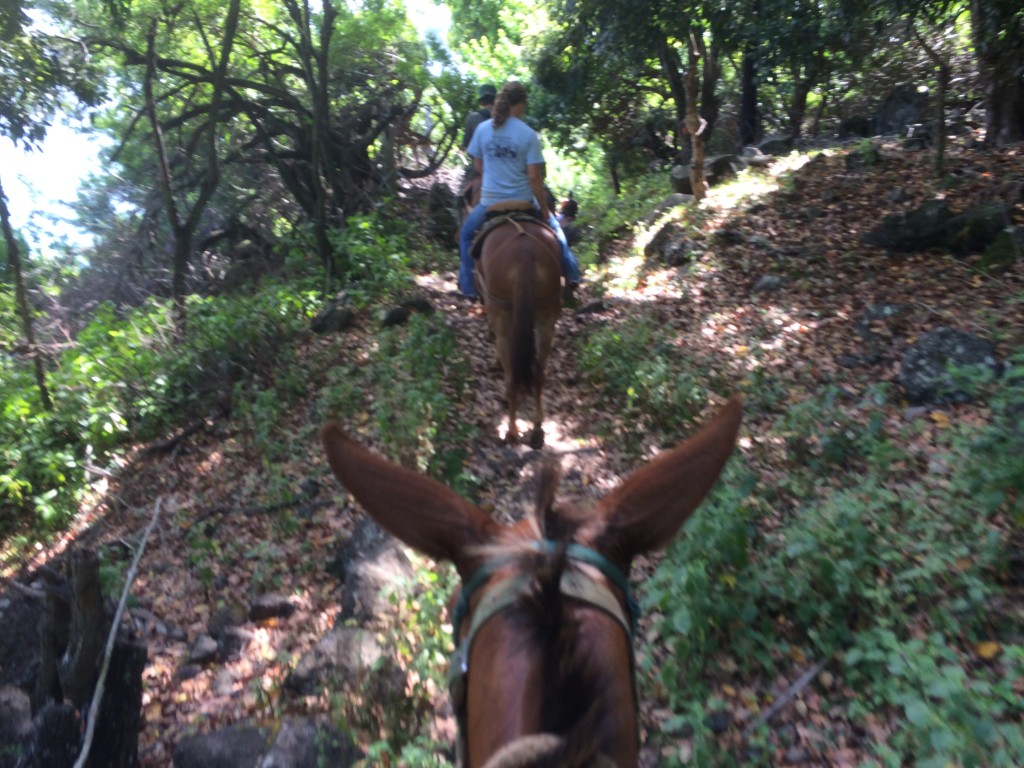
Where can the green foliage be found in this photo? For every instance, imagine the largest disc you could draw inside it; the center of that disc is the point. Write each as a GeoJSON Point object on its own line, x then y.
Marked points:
{"type": "Point", "coordinates": [127, 379]}
{"type": "Point", "coordinates": [647, 381]}
{"type": "Point", "coordinates": [822, 437]}
{"type": "Point", "coordinates": [204, 555]}
{"type": "Point", "coordinates": [160, 382]}
{"type": "Point", "coordinates": [701, 592]}
{"type": "Point", "coordinates": [38, 73]}
{"type": "Point", "coordinates": [951, 714]}
{"type": "Point", "coordinates": [420, 376]}
{"type": "Point", "coordinates": [376, 254]}
{"type": "Point", "coordinates": [995, 475]}
{"type": "Point", "coordinates": [408, 389]}
{"type": "Point", "coordinates": [412, 379]}
{"type": "Point", "coordinates": [856, 572]}
{"type": "Point", "coordinates": [418, 752]}
{"type": "Point", "coordinates": [606, 217]}
{"type": "Point", "coordinates": [418, 644]}
{"type": "Point", "coordinates": [493, 36]}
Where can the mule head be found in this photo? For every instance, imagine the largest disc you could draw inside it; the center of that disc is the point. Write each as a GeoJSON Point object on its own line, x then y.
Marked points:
{"type": "Point", "coordinates": [543, 653]}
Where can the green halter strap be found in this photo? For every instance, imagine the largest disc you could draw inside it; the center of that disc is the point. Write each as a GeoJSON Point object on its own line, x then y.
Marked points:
{"type": "Point", "coordinates": [575, 584]}
{"type": "Point", "coordinates": [575, 552]}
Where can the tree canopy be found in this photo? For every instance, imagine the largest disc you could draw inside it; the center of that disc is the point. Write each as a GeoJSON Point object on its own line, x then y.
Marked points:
{"type": "Point", "coordinates": [273, 226]}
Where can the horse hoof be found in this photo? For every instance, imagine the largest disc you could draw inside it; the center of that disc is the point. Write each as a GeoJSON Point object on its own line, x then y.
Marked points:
{"type": "Point", "coordinates": [512, 438]}
{"type": "Point", "coordinates": [537, 439]}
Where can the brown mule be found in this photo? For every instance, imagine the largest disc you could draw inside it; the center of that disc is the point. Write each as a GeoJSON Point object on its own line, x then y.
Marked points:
{"type": "Point", "coordinates": [519, 276]}
{"type": "Point", "coordinates": [544, 671]}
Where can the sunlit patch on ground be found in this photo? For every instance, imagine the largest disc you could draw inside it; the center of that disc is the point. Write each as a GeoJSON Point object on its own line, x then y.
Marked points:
{"type": "Point", "coordinates": [561, 441]}
{"type": "Point", "coordinates": [554, 437]}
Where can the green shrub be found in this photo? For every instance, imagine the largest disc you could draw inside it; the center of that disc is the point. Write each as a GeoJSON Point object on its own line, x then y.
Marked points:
{"type": "Point", "coordinates": [126, 378]}
{"type": "Point", "coordinates": [409, 387]}
{"type": "Point", "coordinates": [419, 646]}
{"type": "Point", "coordinates": [994, 474]}
{"type": "Point", "coordinates": [948, 713]}
{"type": "Point", "coordinates": [702, 593]}
{"type": "Point", "coordinates": [647, 381]}
{"type": "Point", "coordinates": [375, 254]}
{"type": "Point", "coordinates": [855, 571]}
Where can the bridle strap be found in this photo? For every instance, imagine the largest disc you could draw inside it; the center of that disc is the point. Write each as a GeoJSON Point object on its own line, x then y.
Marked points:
{"type": "Point", "coordinates": [611, 572]}
{"type": "Point", "coordinates": [575, 584]}
{"type": "Point", "coordinates": [573, 551]}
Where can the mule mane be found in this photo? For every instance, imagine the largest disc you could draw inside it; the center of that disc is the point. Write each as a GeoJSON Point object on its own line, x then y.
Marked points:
{"type": "Point", "coordinates": [573, 700]}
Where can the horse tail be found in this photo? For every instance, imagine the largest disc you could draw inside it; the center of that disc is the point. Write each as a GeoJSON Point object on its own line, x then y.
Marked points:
{"type": "Point", "coordinates": [524, 342]}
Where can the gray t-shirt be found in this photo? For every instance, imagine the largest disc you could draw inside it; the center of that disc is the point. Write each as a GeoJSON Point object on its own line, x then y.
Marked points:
{"type": "Point", "coordinates": [473, 120]}
{"type": "Point", "coordinates": [505, 153]}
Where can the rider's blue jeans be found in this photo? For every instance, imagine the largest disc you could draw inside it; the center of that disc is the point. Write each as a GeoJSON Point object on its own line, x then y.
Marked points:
{"type": "Point", "coordinates": [570, 267]}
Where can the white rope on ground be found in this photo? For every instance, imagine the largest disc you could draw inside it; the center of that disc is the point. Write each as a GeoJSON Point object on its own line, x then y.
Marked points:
{"type": "Point", "coordinates": [97, 697]}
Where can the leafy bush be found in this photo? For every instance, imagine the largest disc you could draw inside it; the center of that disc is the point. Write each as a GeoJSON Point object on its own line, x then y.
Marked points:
{"type": "Point", "coordinates": [410, 387]}
{"type": "Point", "coordinates": [419, 646]}
{"type": "Point", "coordinates": [648, 383]}
{"type": "Point", "coordinates": [701, 592]}
{"type": "Point", "coordinates": [127, 378]}
{"type": "Point", "coordinates": [606, 216]}
{"type": "Point", "coordinates": [42, 456]}
{"type": "Point", "coordinates": [895, 573]}
{"type": "Point", "coordinates": [951, 715]}
{"type": "Point", "coordinates": [376, 259]}
{"type": "Point", "coordinates": [994, 475]}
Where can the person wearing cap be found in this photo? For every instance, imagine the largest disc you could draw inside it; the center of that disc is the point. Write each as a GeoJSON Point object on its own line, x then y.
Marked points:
{"type": "Point", "coordinates": [477, 116]}
{"type": "Point", "coordinates": [507, 153]}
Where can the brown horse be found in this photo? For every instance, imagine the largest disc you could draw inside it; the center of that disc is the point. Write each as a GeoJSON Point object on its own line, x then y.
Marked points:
{"type": "Point", "coordinates": [519, 276]}
{"type": "Point", "coordinates": [544, 671]}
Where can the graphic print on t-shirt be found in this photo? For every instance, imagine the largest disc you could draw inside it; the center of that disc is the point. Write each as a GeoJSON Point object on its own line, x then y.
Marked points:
{"type": "Point", "coordinates": [499, 148]}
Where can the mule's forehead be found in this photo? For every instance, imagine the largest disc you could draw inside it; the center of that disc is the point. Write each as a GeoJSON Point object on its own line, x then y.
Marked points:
{"type": "Point", "coordinates": [570, 521]}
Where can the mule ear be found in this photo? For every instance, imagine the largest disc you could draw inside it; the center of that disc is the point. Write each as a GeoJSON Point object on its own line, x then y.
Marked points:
{"type": "Point", "coordinates": [423, 513]}
{"type": "Point", "coordinates": [651, 505]}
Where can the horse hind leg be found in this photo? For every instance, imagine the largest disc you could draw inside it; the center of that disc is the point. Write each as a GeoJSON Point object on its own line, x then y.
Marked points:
{"type": "Point", "coordinates": [501, 330]}
{"type": "Point", "coordinates": [537, 434]}
{"type": "Point", "coordinates": [546, 335]}
{"type": "Point", "coordinates": [512, 436]}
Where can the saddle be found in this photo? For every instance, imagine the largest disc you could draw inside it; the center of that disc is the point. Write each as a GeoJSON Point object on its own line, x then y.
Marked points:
{"type": "Point", "coordinates": [503, 213]}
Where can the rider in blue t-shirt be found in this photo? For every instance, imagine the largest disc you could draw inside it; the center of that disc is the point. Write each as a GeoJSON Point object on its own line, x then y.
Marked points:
{"type": "Point", "coordinates": [507, 152]}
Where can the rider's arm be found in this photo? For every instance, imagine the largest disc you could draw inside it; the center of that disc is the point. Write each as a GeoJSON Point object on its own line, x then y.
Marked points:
{"type": "Point", "coordinates": [535, 172]}
{"type": "Point", "coordinates": [478, 164]}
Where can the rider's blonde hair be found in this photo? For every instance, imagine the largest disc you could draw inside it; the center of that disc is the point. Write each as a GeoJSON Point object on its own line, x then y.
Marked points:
{"type": "Point", "coordinates": [511, 94]}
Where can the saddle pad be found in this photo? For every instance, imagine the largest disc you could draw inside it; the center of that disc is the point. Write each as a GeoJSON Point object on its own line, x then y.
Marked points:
{"type": "Point", "coordinates": [496, 219]}
{"type": "Point", "coordinates": [511, 205]}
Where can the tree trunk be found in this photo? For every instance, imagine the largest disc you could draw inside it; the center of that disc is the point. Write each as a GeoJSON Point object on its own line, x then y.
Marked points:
{"type": "Point", "coordinates": [315, 67]}
{"type": "Point", "coordinates": [21, 298]}
{"type": "Point", "coordinates": [73, 635]}
{"type": "Point", "coordinates": [183, 229]}
{"type": "Point", "coordinates": [672, 67]}
{"type": "Point", "coordinates": [749, 118]}
{"type": "Point", "coordinates": [798, 105]}
{"type": "Point", "coordinates": [711, 72]}
{"type": "Point", "coordinates": [694, 123]}
{"type": "Point", "coordinates": [943, 74]}
{"type": "Point", "coordinates": [79, 665]}
{"type": "Point", "coordinates": [115, 742]}
{"type": "Point", "coordinates": [997, 28]}
{"type": "Point", "coordinates": [820, 111]}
